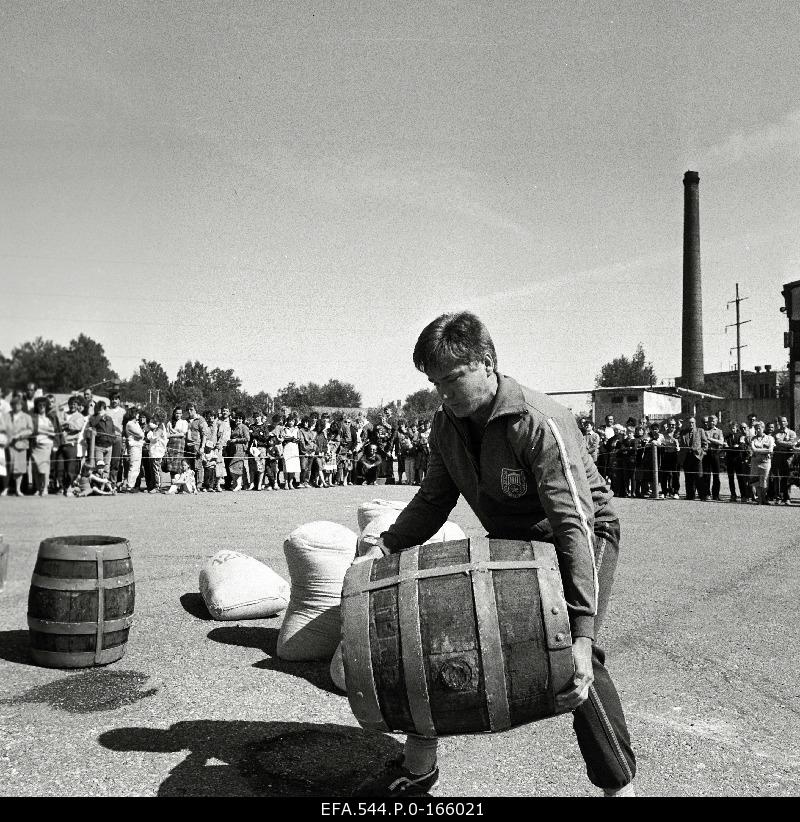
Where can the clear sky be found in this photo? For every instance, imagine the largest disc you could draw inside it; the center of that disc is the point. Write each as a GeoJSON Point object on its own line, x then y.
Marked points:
{"type": "Point", "coordinates": [294, 189]}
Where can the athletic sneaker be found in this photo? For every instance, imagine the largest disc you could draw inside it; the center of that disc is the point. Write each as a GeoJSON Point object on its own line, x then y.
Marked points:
{"type": "Point", "coordinates": [396, 780]}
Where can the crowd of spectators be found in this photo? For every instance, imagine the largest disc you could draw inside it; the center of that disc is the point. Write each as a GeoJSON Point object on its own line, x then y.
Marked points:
{"type": "Point", "coordinates": [646, 458]}
{"type": "Point", "coordinates": [90, 447]}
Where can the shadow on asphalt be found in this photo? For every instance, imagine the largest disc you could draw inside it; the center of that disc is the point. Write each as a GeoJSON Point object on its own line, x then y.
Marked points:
{"type": "Point", "coordinates": [98, 689]}
{"type": "Point", "coordinates": [14, 647]}
{"type": "Point", "coordinates": [266, 640]}
{"type": "Point", "coordinates": [193, 604]}
{"type": "Point", "coordinates": [262, 758]}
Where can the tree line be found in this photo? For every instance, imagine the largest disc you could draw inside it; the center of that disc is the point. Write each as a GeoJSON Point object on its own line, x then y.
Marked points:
{"type": "Point", "coordinates": [84, 364]}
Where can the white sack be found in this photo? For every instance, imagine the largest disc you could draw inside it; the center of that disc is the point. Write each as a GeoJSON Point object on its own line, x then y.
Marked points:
{"type": "Point", "coordinates": [368, 511]}
{"type": "Point", "coordinates": [236, 586]}
{"type": "Point", "coordinates": [318, 555]}
{"type": "Point", "coordinates": [371, 534]}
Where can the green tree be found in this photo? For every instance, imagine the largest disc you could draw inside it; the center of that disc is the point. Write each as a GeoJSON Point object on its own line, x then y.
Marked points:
{"type": "Point", "coordinates": [421, 403]}
{"type": "Point", "coordinates": [340, 395]}
{"type": "Point", "coordinates": [149, 384]}
{"type": "Point", "coordinates": [40, 361]}
{"type": "Point", "coordinates": [225, 389]}
{"type": "Point", "coordinates": [85, 363]}
{"type": "Point", "coordinates": [624, 371]}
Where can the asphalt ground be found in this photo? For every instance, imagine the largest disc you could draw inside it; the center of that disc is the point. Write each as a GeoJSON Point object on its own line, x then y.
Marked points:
{"type": "Point", "coordinates": [701, 637]}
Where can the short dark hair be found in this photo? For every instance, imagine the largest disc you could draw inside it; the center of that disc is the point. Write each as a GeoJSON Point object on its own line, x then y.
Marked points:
{"type": "Point", "coordinates": [39, 402]}
{"type": "Point", "coordinates": [460, 338]}
{"type": "Point", "coordinates": [99, 406]}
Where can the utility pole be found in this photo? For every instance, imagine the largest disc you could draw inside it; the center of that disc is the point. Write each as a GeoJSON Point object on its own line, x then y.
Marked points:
{"type": "Point", "coordinates": [738, 347]}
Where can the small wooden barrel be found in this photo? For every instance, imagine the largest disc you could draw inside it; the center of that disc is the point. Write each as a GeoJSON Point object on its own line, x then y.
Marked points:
{"type": "Point", "coordinates": [456, 637]}
{"type": "Point", "coordinates": [80, 606]}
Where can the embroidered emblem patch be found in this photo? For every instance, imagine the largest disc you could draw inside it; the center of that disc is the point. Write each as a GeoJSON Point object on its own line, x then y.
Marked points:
{"type": "Point", "coordinates": [513, 482]}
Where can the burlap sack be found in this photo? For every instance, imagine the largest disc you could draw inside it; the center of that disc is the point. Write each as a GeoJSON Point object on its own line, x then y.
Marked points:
{"type": "Point", "coordinates": [318, 555]}
{"type": "Point", "coordinates": [371, 534]}
{"type": "Point", "coordinates": [236, 586]}
{"type": "Point", "coordinates": [369, 511]}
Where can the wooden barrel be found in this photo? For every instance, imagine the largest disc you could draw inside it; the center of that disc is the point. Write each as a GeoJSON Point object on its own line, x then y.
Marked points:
{"type": "Point", "coordinates": [456, 637]}
{"type": "Point", "coordinates": [80, 605]}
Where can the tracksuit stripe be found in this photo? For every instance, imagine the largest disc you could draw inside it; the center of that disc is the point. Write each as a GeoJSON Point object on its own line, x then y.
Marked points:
{"type": "Point", "coordinates": [562, 450]}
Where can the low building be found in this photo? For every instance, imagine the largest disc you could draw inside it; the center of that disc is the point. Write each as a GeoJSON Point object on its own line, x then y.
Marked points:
{"type": "Point", "coordinates": [636, 401]}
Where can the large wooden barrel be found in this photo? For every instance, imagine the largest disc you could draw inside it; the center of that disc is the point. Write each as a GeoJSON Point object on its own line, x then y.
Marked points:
{"type": "Point", "coordinates": [456, 637]}
{"type": "Point", "coordinates": [80, 605]}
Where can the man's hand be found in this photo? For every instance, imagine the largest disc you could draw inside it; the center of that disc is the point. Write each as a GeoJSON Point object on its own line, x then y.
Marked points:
{"type": "Point", "coordinates": [578, 691]}
{"type": "Point", "coordinates": [373, 553]}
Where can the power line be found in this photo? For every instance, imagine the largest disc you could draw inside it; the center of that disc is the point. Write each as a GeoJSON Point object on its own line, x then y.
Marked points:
{"type": "Point", "coordinates": [738, 347]}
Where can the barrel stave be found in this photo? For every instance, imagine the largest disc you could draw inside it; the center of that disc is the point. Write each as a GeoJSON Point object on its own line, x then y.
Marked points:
{"type": "Point", "coordinates": [450, 647]}
{"type": "Point", "coordinates": [387, 660]}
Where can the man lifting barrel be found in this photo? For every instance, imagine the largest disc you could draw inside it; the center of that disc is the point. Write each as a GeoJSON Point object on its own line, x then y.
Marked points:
{"type": "Point", "coordinates": [521, 463]}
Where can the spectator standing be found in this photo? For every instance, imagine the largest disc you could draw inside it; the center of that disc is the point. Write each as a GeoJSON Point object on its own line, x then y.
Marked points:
{"type": "Point", "coordinates": [134, 442]}
{"type": "Point", "coordinates": [29, 398]}
{"type": "Point", "coordinates": [5, 427]}
{"type": "Point", "coordinates": [157, 442]}
{"type": "Point", "coordinates": [321, 449]}
{"type": "Point", "coordinates": [177, 429]}
{"type": "Point", "coordinates": [716, 442]}
{"type": "Point", "coordinates": [116, 413]}
{"type": "Point", "coordinates": [291, 452]}
{"type": "Point", "coordinates": [239, 440]}
{"type": "Point", "coordinates": [737, 461]}
{"type": "Point", "coordinates": [422, 450]}
{"type": "Point", "coordinates": [72, 429]}
{"type": "Point", "coordinates": [669, 475]}
{"type": "Point", "coordinates": [222, 433]}
{"type": "Point", "coordinates": [258, 451]}
{"type": "Point", "coordinates": [592, 440]}
{"type": "Point", "coordinates": [694, 444]}
{"type": "Point", "coordinates": [196, 435]}
{"type": "Point", "coordinates": [405, 454]}
{"type": "Point", "coordinates": [20, 431]}
{"type": "Point", "coordinates": [652, 444]}
{"type": "Point", "coordinates": [607, 437]}
{"type": "Point", "coordinates": [101, 429]}
{"type": "Point", "coordinates": [307, 446]}
{"type": "Point", "coordinates": [88, 403]}
{"type": "Point", "coordinates": [42, 439]}
{"type": "Point", "coordinates": [785, 440]}
{"type": "Point", "coordinates": [761, 447]}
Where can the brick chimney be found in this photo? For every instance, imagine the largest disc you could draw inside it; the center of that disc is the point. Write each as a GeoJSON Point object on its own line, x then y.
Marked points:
{"type": "Point", "coordinates": [692, 369]}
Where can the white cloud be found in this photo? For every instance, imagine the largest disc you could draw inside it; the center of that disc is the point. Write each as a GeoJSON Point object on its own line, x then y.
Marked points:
{"type": "Point", "coordinates": [753, 145]}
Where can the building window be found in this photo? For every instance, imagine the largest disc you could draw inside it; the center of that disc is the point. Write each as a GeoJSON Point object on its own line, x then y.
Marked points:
{"type": "Point", "coordinates": [616, 400]}
{"type": "Point", "coordinates": [632, 398]}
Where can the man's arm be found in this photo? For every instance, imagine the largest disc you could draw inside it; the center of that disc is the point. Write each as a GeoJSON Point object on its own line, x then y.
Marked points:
{"type": "Point", "coordinates": [430, 507]}
{"type": "Point", "coordinates": [557, 465]}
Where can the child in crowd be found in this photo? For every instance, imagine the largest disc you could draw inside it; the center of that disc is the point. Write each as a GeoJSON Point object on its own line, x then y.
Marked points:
{"type": "Point", "coordinates": [273, 461]}
{"type": "Point", "coordinates": [185, 481]}
{"type": "Point", "coordinates": [94, 483]}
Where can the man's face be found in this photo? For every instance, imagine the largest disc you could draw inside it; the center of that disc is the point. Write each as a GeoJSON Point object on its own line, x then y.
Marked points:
{"type": "Point", "coordinates": [784, 423]}
{"type": "Point", "coordinates": [692, 423]}
{"type": "Point", "coordinates": [770, 429]}
{"type": "Point", "coordinates": [226, 412]}
{"type": "Point", "coordinates": [87, 395]}
{"type": "Point", "coordinates": [588, 427]}
{"type": "Point", "coordinates": [463, 388]}
{"type": "Point", "coordinates": [30, 390]}
{"type": "Point", "coordinates": [751, 420]}
{"type": "Point", "coordinates": [706, 423]}
{"type": "Point", "coordinates": [114, 402]}
{"type": "Point", "coordinates": [191, 412]}
{"type": "Point", "coordinates": [610, 420]}
{"type": "Point", "coordinates": [714, 422]}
